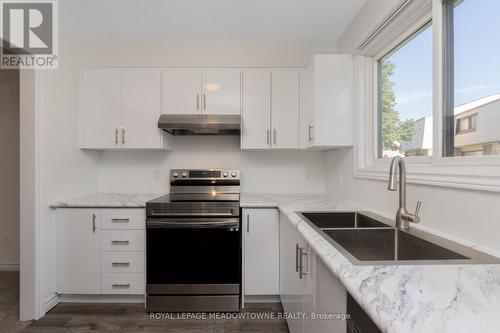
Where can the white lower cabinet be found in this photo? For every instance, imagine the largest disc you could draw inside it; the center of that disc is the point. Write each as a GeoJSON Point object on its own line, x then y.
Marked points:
{"type": "Point", "coordinates": [261, 251]}
{"type": "Point", "coordinates": [307, 286]}
{"type": "Point", "coordinates": [100, 251]}
{"type": "Point", "coordinates": [78, 238]}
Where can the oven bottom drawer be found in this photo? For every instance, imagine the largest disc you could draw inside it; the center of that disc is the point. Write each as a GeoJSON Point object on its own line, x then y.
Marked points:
{"type": "Point", "coordinates": [161, 303]}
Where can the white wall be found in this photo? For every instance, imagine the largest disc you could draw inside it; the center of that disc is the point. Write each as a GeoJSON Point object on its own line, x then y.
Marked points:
{"type": "Point", "coordinates": [9, 170]}
{"type": "Point", "coordinates": [260, 171]}
{"type": "Point", "coordinates": [64, 170]}
{"type": "Point", "coordinates": [463, 214]}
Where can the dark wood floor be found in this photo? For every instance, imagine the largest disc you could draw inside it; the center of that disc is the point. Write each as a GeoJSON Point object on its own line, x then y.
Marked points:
{"type": "Point", "coordinates": [9, 303]}
{"type": "Point", "coordinates": [71, 317]}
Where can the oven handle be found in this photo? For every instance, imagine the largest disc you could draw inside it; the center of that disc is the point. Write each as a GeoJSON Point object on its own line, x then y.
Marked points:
{"type": "Point", "coordinates": [194, 214]}
{"type": "Point", "coordinates": [193, 224]}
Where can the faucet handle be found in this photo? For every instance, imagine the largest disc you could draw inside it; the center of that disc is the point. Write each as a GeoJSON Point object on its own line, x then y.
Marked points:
{"type": "Point", "coordinates": [415, 218]}
{"type": "Point", "coordinates": [417, 209]}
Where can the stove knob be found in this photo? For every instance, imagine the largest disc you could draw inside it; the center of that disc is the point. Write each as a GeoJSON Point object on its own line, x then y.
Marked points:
{"type": "Point", "coordinates": [175, 174]}
{"type": "Point", "coordinates": [225, 174]}
{"type": "Point", "coordinates": [234, 174]}
{"type": "Point", "coordinates": [184, 174]}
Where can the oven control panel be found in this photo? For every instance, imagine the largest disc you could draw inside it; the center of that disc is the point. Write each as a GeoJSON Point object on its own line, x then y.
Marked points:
{"type": "Point", "coordinates": [204, 174]}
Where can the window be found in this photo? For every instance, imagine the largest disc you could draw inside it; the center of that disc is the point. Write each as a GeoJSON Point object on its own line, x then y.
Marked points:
{"type": "Point", "coordinates": [466, 124]}
{"type": "Point", "coordinates": [473, 84]}
{"type": "Point", "coordinates": [405, 97]}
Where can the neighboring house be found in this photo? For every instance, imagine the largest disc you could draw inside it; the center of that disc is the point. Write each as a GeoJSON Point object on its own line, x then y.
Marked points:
{"type": "Point", "coordinates": [421, 141]}
{"type": "Point", "coordinates": [477, 130]}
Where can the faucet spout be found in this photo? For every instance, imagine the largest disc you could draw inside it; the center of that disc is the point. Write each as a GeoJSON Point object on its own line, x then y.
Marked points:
{"type": "Point", "coordinates": [402, 216]}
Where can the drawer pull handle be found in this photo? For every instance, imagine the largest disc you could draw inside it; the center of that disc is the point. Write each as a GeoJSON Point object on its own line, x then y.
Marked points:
{"type": "Point", "coordinates": [120, 220]}
{"type": "Point", "coordinates": [120, 242]}
{"type": "Point", "coordinates": [121, 285]}
{"type": "Point", "coordinates": [117, 263]}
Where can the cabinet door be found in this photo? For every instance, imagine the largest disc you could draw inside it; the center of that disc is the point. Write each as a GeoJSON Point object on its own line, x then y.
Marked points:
{"type": "Point", "coordinates": [100, 108]}
{"type": "Point", "coordinates": [182, 91]}
{"type": "Point", "coordinates": [261, 240]}
{"type": "Point", "coordinates": [141, 109]}
{"type": "Point", "coordinates": [328, 295]}
{"type": "Point", "coordinates": [285, 97]}
{"type": "Point", "coordinates": [78, 251]}
{"type": "Point", "coordinates": [221, 91]}
{"type": "Point", "coordinates": [291, 289]}
{"type": "Point", "coordinates": [256, 109]}
{"type": "Point", "coordinates": [306, 115]}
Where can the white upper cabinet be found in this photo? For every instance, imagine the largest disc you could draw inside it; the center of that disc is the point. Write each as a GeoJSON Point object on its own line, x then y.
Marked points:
{"type": "Point", "coordinates": [285, 101]}
{"type": "Point", "coordinates": [196, 91]}
{"type": "Point", "coordinates": [120, 109]}
{"type": "Point", "coordinates": [326, 121]}
{"type": "Point", "coordinates": [256, 109]}
{"type": "Point", "coordinates": [141, 108]}
{"type": "Point", "coordinates": [100, 108]}
{"type": "Point", "coordinates": [182, 91]}
{"type": "Point", "coordinates": [270, 109]}
{"type": "Point", "coordinates": [221, 91]}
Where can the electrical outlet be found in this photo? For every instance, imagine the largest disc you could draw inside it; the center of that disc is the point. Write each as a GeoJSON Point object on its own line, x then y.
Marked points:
{"type": "Point", "coordinates": [4, 239]}
{"type": "Point", "coordinates": [308, 174]}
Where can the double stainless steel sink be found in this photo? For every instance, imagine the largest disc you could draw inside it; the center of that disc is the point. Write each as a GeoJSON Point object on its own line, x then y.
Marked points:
{"type": "Point", "coordinates": [368, 239]}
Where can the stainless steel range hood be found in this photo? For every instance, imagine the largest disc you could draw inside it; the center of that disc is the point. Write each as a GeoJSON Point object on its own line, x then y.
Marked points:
{"type": "Point", "coordinates": [193, 124]}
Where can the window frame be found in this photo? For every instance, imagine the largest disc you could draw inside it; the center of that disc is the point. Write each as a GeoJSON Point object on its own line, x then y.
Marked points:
{"type": "Point", "coordinates": [464, 172]}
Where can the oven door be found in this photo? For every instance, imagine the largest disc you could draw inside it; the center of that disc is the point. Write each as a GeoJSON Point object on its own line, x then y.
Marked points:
{"type": "Point", "coordinates": [193, 256]}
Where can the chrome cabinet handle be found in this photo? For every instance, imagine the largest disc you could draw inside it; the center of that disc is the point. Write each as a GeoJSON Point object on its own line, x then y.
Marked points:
{"type": "Point", "coordinates": [302, 254]}
{"type": "Point", "coordinates": [120, 220]}
{"type": "Point", "coordinates": [123, 136]}
{"type": "Point", "coordinates": [117, 263]}
{"type": "Point", "coordinates": [268, 137]}
{"type": "Point", "coordinates": [275, 136]}
{"type": "Point", "coordinates": [116, 136]}
{"type": "Point", "coordinates": [310, 136]}
{"type": "Point", "coordinates": [248, 223]}
{"type": "Point", "coordinates": [120, 242]}
{"type": "Point", "coordinates": [94, 227]}
{"type": "Point", "coordinates": [121, 285]}
{"type": "Point", "coordinates": [198, 102]}
{"type": "Point", "coordinates": [204, 102]}
{"type": "Point", "coordinates": [297, 258]}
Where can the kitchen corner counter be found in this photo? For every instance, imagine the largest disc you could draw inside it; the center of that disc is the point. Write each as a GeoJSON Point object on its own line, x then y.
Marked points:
{"type": "Point", "coordinates": [405, 298]}
{"type": "Point", "coordinates": [108, 200]}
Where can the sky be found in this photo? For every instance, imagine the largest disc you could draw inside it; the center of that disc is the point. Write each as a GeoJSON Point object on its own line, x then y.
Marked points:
{"type": "Point", "coordinates": [477, 60]}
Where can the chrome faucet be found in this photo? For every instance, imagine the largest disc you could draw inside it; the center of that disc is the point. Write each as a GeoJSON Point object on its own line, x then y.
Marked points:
{"type": "Point", "coordinates": [403, 218]}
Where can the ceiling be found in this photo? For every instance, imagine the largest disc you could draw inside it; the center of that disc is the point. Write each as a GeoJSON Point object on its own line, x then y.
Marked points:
{"type": "Point", "coordinates": [248, 20]}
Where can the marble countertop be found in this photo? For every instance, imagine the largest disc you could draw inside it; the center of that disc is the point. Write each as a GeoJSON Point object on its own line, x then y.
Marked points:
{"type": "Point", "coordinates": [406, 298]}
{"type": "Point", "coordinates": [108, 200]}
{"type": "Point", "coordinates": [400, 299]}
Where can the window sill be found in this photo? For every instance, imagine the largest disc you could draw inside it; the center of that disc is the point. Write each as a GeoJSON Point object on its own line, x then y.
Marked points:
{"type": "Point", "coordinates": [485, 178]}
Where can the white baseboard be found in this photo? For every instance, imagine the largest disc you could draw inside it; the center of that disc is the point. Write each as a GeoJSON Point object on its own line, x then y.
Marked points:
{"type": "Point", "coordinates": [50, 302]}
{"type": "Point", "coordinates": [9, 266]}
{"type": "Point", "coordinates": [262, 299]}
{"type": "Point", "coordinates": [102, 298]}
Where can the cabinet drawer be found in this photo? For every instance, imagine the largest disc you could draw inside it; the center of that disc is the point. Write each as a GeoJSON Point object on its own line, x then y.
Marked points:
{"type": "Point", "coordinates": [123, 218]}
{"type": "Point", "coordinates": [122, 262]}
{"type": "Point", "coordinates": [123, 283]}
{"type": "Point", "coordinates": [122, 240]}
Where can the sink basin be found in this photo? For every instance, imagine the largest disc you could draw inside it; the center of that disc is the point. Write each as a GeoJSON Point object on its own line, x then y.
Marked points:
{"type": "Point", "coordinates": [368, 239]}
{"type": "Point", "coordinates": [341, 220]}
{"type": "Point", "coordinates": [389, 244]}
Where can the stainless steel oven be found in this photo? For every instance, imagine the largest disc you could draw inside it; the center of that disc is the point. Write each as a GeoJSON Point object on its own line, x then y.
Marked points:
{"type": "Point", "coordinates": [193, 244]}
